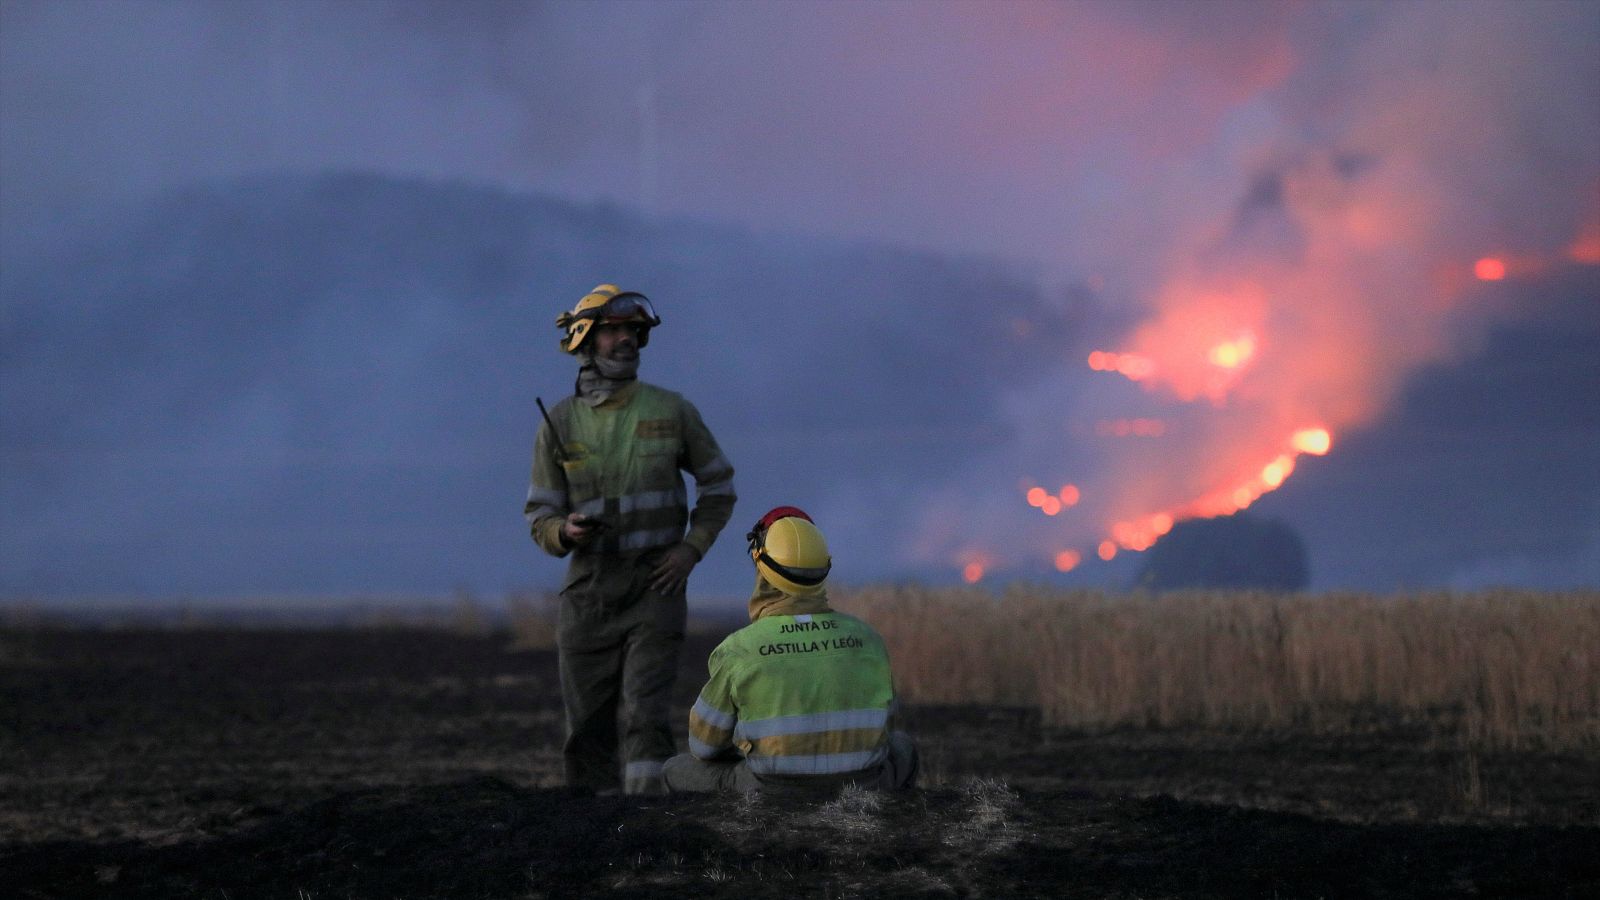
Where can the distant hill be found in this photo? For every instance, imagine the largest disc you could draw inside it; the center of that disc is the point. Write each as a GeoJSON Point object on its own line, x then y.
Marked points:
{"type": "Point", "coordinates": [1237, 552]}
{"type": "Point", "coordinates": [326, 383]}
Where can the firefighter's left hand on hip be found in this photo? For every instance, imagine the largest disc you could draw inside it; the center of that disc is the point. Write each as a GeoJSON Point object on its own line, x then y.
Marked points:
{"type": "Point", "coordinates": [672, 572]}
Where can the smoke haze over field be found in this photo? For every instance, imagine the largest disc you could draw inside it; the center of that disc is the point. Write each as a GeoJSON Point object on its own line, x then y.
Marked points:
{"type": "Point", "coordinates": [1377, 223]}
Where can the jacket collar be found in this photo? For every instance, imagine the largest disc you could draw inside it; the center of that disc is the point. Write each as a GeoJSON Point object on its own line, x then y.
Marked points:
{"type": "Point", "coordinates": [620, 396]}
{"type": "Point", "coordinates": [767, 600]}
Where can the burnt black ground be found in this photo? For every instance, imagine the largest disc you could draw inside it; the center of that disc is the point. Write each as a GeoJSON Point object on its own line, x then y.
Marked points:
{"type": "Point", "coordinates": [419, 763]}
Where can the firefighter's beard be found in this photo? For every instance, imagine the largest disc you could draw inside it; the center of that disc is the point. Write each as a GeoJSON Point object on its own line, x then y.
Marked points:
{"type": "Point", "coordinates": [600, 377]}
{"type": "Point", "coordinates": [618, 369]}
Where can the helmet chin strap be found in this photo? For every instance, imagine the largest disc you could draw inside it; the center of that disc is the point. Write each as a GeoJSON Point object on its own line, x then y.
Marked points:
{"type": "Point", "coordinates": [803, 577]}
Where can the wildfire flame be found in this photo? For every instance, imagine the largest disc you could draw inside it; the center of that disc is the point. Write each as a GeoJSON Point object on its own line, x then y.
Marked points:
{"type": "Point", "coordinates": [1584, 251]}
{"type": "Point", "coordinates": [1052, 504]}
{"type": "Point", "coordinates": [1141, 532]}
{"type": "Point", "coordinates": [974, 563]}
{"type": "Point", "coordinates": [1134, 366]}
{"type": "Point", "coordinates": [1216, 346]}
{"type": "Point", "coordinates": [1315, 441]}
{"type": "Point", "coordinates": [1235, 353]}
{"type": "Point", "coordinates": [1203, 344]}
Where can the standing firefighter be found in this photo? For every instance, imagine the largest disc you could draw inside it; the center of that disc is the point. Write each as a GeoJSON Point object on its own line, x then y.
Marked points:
{"type": "Point", "coordinates": [801, 699]}
{"type": "Point", "coordinates": [606, 488]}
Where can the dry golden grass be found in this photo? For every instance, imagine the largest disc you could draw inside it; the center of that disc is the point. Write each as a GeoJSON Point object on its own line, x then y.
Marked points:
{"type": "Point", "coordinates": [1493, 669]}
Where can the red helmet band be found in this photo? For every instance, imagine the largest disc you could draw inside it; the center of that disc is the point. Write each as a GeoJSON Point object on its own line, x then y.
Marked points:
{"type": "Point", "coordinates": [781, 512]}
{"type": "Point", "coordinates": [757, 536]}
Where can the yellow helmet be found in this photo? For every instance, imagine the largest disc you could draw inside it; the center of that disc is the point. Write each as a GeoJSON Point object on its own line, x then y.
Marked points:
{"type": "Point", "coordinates": [790, 552]}
{"type": "Point", "coordinates": [611, 305]}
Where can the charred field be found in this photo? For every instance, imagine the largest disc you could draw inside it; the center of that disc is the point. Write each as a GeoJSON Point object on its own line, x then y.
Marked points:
{"type": "Point", "coordinates": [423, 762]}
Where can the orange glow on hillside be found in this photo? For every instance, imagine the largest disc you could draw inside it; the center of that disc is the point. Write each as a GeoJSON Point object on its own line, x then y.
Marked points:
{"type": "Point", "coordinates": [1271, 298]}
{"type": "Point", "coordinates": [1141, 533]}
{"type": "Point", "coordinates": [1489, 269]}
{"type": "Point", "coordinates": [1204, 344]}
{"type": "Point", "coordinates": [1281, 366]}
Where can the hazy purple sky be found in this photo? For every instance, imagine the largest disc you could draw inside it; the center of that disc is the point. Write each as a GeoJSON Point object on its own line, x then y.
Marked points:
{"type": "Point", "coordinates": [1059, 133]}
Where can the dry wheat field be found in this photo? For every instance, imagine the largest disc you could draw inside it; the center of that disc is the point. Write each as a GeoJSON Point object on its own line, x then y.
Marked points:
{"type": "Point", "coordinates": [1075, 744]}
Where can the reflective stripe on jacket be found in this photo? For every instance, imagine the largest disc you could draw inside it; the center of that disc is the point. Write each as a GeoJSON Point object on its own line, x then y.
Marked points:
{"type": "Point", "coordinates": [622, 464]}
{"type": "Point", "coordinates": [806, 694]}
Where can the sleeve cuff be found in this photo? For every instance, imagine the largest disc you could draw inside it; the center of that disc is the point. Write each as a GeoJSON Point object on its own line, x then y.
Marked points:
{"type": "Point", "coordinates": [699, 542]}
{"type": "Point", "coordinates": [547, 534]}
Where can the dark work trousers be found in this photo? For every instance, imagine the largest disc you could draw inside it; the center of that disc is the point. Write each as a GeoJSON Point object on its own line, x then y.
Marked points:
{"type": "Point", "coordinates": [619, 643]}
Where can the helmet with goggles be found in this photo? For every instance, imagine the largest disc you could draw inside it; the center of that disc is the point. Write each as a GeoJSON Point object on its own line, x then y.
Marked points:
{"type": "Point", "coordinates": [790, 552]}
{"type": "Point", "coordinates": [607, 305]}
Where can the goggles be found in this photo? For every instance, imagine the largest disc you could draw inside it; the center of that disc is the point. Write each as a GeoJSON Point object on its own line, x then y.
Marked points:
{"type": "Point", "coordinates": [622, 308]}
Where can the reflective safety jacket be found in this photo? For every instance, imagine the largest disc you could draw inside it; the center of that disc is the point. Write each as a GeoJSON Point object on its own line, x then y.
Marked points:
{"type": "Point", "coordinates": [799, 694]}
{"type": "Point", "coordinates": [621, 461]}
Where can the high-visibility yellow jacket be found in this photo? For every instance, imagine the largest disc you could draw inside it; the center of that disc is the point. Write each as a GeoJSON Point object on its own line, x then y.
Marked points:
{"type": "Point", "coordinates": [801, 691]}
{"type": "Point", "coordinates": [621, 461]}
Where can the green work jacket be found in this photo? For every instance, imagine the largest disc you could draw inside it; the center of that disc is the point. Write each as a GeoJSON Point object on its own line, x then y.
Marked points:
{"type": "Point", "coordinates": [797, 695]}
{"type": "Point", "coordinates": [621, 461]}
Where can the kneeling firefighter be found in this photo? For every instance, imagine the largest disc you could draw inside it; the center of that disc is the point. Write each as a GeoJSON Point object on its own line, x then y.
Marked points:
{"type": "Point", "coordinates": [802, 697]}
